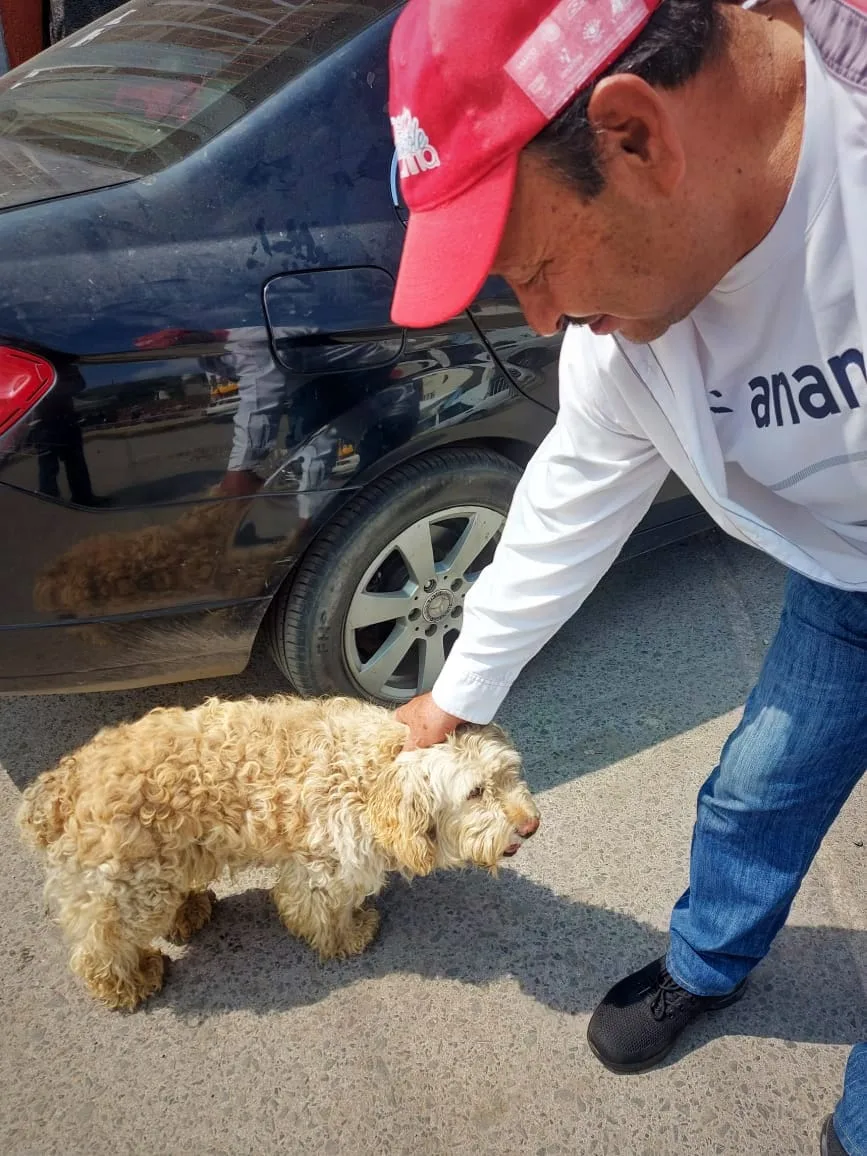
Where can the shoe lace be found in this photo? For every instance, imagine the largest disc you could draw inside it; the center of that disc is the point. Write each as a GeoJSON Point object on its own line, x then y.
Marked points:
{"type": "Point", "coordinates": [668, 997]}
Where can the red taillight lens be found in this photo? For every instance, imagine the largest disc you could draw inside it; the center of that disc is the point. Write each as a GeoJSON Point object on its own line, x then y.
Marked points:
{"type": "Point", "coordinates": [24, 379]}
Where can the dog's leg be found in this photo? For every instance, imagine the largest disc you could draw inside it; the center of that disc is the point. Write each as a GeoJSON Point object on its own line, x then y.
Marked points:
{"type": "Point", "coordinates": [110, 924]}
{"type": "Point", "coordinates": [192, 915]}
{"type": "Point", "coordinates": [324, 911]}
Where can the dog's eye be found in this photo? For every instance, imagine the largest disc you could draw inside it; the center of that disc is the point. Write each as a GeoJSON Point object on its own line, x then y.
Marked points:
{"type": "Point", "coordinates": [476, 793]}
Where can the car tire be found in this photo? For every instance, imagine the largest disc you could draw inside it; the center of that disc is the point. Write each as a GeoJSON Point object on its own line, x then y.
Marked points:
{"type": "Point", "coordinates": [402, 554]}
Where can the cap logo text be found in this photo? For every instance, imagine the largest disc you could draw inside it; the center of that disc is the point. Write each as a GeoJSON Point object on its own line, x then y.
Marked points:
{"type": "Point", "coordinates": [415, 153]}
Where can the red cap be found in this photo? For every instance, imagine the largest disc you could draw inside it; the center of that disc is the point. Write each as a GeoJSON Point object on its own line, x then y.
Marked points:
{"type": "Point", "coordinates": [472, 82]}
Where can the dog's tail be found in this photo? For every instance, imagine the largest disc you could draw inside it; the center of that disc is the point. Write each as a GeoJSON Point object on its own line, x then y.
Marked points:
{"type": "Point", "coordinates": [47, 804]}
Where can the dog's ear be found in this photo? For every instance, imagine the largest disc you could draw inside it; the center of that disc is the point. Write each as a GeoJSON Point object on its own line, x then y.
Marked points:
{"type": "Point", "coordinates": [416, 832]}
{"type": "Point", "coordinates": [403, 816]}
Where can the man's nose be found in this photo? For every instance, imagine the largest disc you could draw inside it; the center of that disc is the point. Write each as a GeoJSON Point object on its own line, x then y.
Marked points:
{"type": "Point", "coordinates": [540, 311]}
{"type": "Point", "coordinates": [529, 828]}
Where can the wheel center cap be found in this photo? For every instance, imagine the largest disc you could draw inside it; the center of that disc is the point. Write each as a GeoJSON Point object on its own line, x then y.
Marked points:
{"type": "Point", "coordinates": [438, 606]}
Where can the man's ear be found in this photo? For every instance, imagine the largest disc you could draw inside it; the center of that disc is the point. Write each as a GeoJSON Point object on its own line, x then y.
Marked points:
{"type": "Point", "coordinates": [638, 134]}
{"type": "Point", "coordinates": [402, 813]}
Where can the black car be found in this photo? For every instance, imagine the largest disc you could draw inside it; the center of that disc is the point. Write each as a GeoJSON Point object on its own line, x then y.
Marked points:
{"type": "Point", "coordinates": [208, 424]}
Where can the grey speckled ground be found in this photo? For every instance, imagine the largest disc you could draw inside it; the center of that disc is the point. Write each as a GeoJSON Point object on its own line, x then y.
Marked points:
{"type": "Point", "coordinates": [462, 1031]}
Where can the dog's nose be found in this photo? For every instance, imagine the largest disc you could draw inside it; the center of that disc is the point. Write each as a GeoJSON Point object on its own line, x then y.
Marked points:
{"type": "Point", "coordinates": [529, 828]}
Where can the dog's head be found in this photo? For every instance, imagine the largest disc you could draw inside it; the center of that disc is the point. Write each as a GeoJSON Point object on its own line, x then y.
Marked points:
{"type": "Point", "coordinates": [460, 802]}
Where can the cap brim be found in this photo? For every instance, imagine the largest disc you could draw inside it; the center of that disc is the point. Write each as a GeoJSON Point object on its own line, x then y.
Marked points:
{"type": "Point", "coordinates": [449, 251]}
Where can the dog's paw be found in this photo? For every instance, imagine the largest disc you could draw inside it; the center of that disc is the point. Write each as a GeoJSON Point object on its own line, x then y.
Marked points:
{"type": "Point", "coordinates": [359, 935]}
{"type": "Point", "coordinates": [367, 928]}
{"type": "Point", "coordinates": [150, 976]}
{"type": "Point", "coordinates": [125, 990]}
{"type": "Point", "coordinates": [192, 915]}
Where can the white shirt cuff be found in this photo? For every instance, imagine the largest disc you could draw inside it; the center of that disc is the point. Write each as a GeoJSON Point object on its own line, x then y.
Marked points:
{"type": "Point", "coordinates": [463, 693]}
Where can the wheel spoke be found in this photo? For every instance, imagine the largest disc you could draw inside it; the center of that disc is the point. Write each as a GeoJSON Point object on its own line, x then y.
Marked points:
{"type": "Point", "coordinates": [376, 672]}
{"type": "Point", "coordinates": [416, 548]}
{"type": "Point", "coordinates": [481, 528]}
{"type": "Point", "coordinates": [432, 661]}
{"type": "Point", "coordinates": [368, 609]}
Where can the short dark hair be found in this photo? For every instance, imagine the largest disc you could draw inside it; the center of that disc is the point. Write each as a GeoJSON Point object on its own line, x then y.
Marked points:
{"type": "Point", "coordinates": [679, 38]}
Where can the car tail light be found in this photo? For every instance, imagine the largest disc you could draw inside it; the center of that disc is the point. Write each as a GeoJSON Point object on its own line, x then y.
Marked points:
{"type": "Point", "coordinates": [24, 379]}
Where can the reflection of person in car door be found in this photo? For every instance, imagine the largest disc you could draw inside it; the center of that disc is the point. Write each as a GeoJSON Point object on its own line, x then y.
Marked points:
{"type": "Point", "coordinates": [262, 389]}
{"type": "Point", "coordinates": [57, 439]}
{"type": "Point", "coordinates": [383, 417]}
{"type": "Point", "coordinates": [680, 185]}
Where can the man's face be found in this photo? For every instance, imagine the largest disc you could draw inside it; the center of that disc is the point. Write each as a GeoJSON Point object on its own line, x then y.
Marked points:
{"type": "Point", "coordinates": [619, 263]}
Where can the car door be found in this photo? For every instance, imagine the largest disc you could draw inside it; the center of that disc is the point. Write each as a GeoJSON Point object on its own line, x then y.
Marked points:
{"type": "Point", "coordinates": [152, 184]}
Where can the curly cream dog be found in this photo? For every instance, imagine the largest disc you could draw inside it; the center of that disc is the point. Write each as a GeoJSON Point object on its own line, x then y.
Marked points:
{"type": "Point", "coordinates": [135, 824]}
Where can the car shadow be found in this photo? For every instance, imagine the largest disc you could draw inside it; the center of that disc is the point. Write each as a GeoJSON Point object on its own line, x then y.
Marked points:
{"type": "Point", "coordinates": [669, 641]}
{"type": "Point", "coordinates": [471, 928]}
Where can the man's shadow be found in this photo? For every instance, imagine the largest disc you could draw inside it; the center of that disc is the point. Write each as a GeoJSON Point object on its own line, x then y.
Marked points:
{"type": "Point", "coordinates": [469, 927]}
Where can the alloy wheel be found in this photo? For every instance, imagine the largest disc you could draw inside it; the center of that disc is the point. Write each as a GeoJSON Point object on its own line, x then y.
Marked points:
{"type": "Point", "coordinates": [407, 610]}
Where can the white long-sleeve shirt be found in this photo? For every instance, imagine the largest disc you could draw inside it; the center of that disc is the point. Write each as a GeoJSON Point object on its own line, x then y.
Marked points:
{"type": "Point", "coordinates": [758, 401]}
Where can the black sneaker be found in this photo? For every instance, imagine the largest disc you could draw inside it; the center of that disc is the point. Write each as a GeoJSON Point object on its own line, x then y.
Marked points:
{"type": "Point", "coordinates": [639, 1021]}
{"type": "Point", "coordinates": [831, 1145]}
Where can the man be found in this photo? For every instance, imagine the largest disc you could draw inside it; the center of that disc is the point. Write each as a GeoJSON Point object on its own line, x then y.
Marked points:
{"type": "Point", "coordinates": [682, 187]}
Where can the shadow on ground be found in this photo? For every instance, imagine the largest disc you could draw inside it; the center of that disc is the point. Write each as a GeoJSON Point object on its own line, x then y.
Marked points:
{"type": "Point", "coordinates": [472, 929]}
{"type": "Point", "coordinates": [669, 641]}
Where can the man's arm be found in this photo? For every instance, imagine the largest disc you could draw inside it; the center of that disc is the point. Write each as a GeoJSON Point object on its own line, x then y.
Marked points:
{"type": "Point", "coordinates": [586, 488]}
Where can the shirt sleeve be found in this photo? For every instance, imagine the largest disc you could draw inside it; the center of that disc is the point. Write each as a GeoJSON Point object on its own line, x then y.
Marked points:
{"type": "Point", "coordinates": [587, 487]}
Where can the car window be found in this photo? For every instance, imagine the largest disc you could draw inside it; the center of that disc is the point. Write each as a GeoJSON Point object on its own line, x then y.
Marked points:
{"type": "Point", "coordinates": [152, 81]}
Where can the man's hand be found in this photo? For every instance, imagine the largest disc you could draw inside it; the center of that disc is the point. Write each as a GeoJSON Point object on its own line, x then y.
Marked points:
{"type": "Point", "coordinates": [427, 723]}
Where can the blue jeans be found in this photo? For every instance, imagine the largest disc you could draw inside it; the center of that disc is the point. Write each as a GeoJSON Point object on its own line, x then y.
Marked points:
{"type": "Point", "coordinates": [782, 778]}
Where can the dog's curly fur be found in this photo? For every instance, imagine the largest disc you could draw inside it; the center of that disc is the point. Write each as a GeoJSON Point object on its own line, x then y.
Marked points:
{"type": "Point", "coordinates": [135, 824]}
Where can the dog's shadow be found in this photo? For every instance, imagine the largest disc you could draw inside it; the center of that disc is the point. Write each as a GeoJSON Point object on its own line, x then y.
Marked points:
{"type": "Point", "coordinates": [469, 927]}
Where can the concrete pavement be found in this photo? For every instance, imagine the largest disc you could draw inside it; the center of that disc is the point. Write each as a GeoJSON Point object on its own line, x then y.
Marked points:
{"type": "Point", "coordinates": [462, 1030]}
